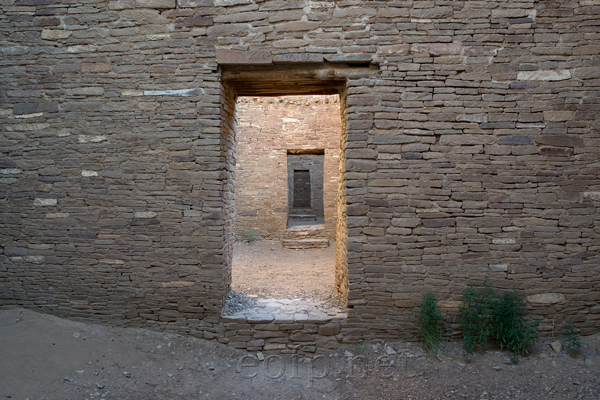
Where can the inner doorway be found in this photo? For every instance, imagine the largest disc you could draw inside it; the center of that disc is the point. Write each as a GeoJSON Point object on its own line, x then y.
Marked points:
{"type": "Point", "coordinates": [305, 187]}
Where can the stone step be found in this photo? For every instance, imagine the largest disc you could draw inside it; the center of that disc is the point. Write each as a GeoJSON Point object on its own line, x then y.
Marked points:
{"type": "Point", "coordinates": [305, 231]}
{"type": "Point", "coordinates": [303, 217]}
{"type": "Point", "coordinates": [307, 228]}
{"type": "Point", "coordinates": [315, 243]}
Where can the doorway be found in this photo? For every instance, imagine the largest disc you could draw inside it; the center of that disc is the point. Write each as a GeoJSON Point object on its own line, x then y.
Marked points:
{"type": "Point", "coordinates": [265, 201]}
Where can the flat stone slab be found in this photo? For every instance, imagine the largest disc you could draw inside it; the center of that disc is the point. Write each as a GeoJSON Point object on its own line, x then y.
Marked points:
{"type": "Point", "coordinates": [258, 310]}
{"type": "Point", "coordinates": [260, 318]}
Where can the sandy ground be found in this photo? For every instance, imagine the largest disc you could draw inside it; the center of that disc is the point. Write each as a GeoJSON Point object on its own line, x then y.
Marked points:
{"type": "Point", "coordinates": [44, 357]}
{"type": "Point", "coordinates": [265, 269]}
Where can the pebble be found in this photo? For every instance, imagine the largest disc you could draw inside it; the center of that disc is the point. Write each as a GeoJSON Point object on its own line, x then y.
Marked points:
{"type": "Point", "coordinates": [497, 367]}
{"type": "Point", "coordinates": [556, 346]}
{"type": "Point", "coordinates": [67, 379]}
{"type": "Point", "coordinates": [99, 386]}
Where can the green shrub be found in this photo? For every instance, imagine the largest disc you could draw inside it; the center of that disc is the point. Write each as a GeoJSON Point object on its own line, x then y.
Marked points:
{"type": "Point", "coordinates": [485, 314]}
{"type": "Point", "coordinates": [430, 320]}
{"type": "Point", "coordinates": [477, 312]}
{"type": "Point", "coordinates": [511, 329]}
{"type": "Point", "coordinates": [571, 338]}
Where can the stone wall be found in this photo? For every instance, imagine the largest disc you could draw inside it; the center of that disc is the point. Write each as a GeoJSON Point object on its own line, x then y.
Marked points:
{"type": "Point", "coordinates": [270, 128]}
{"type": "Point", "coordinates": [470, 147]}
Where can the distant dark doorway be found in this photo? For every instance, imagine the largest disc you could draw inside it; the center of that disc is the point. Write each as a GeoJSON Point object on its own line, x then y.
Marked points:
{"type": "Point", "coordinates": [301, 189]}
{"type": "Point", "coordinates": [305, 187]}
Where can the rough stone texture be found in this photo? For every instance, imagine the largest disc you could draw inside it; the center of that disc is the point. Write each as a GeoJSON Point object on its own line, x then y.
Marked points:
{"type": "Point", "coordinates": [470, 147]}
{"type": "Point", "coordinates": [225, 56]}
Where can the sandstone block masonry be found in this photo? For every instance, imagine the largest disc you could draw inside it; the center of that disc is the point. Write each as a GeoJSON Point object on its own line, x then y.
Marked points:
{"type": "Point", "coordinates": [270, 131]}
{"type": "Point", "coordinates": [470, 147]}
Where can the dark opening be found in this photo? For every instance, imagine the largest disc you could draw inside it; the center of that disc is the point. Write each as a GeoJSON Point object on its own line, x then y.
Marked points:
{"type": "Point", "coordinates": [305, 188]}
{"type": "Point", "coordinates": [306, 151]}
{"type": "Point", "coordinates": [302, 191]}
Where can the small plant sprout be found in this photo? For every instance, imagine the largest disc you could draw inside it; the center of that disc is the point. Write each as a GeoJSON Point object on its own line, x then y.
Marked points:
{"type": "Point", "coordinates": [251, 235]}
{"type": "Point", "coordinates": [360, 347]}
{"type": "Point", "coordinates": [430, 319]}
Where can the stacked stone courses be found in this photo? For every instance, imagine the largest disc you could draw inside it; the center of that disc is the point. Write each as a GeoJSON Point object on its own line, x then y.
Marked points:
{"type": "Point", "coordinates": [469, 147]}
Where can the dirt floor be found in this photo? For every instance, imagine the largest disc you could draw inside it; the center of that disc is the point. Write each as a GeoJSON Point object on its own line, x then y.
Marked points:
{"type": "Point", "coordinates": [265, 269]}
{"type": "Point", "coordinates": [44, 357]}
